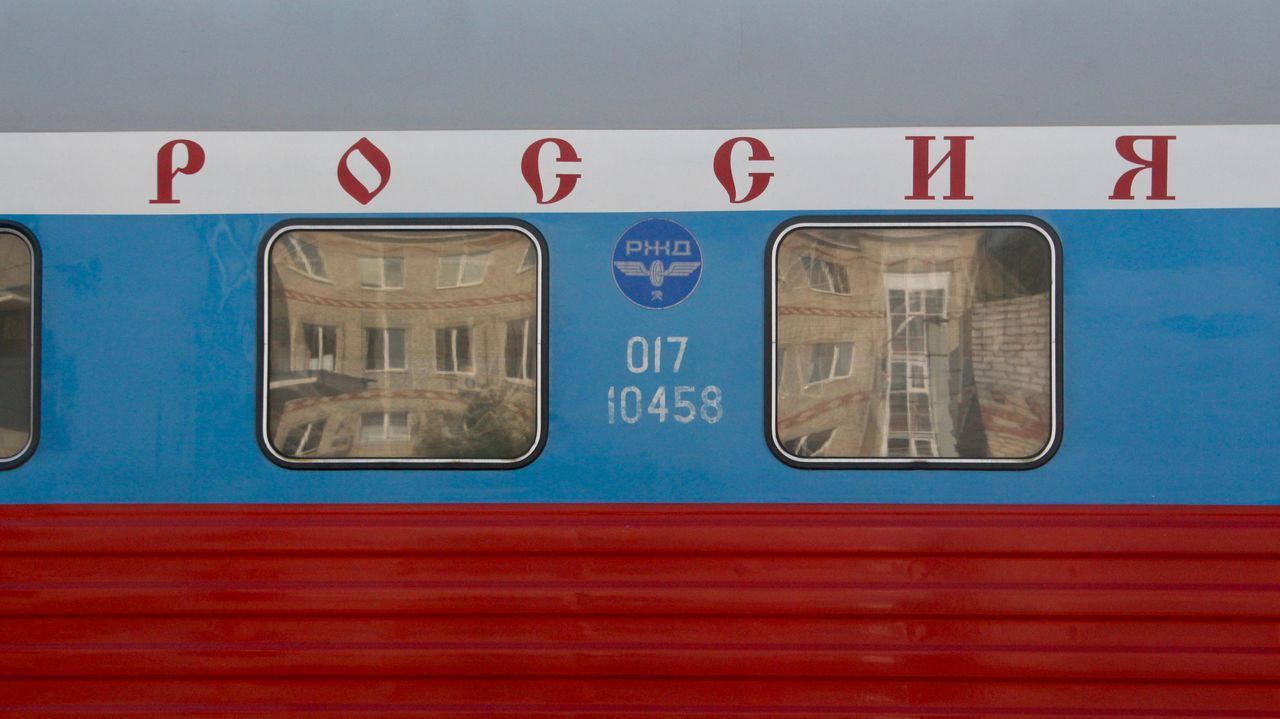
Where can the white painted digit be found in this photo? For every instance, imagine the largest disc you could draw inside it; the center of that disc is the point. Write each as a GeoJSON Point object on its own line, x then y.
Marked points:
{"type": "Point", "coordinates": [636, 401]}
{"type": "Point", "coordinates": [711, 409]}
{"type": "Point", "coordinates": [681, 403]}
{"type": "Point", "coordinates": [657, 355]}
{"type": "Point", "coordinates": [682, 341]}
{"type": "Point", "coordinates": [658, 405]}
{"type": "Point", "coordinates": [631, 355]}
{"type": "Point", "coordinates": [612, 410]}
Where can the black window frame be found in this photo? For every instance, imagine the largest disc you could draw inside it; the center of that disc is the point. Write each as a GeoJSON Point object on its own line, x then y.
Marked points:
{"type": "Point", "coordinates": [541, 312]}
{"type": "Point", "coordinates": [33, 246]}
{"type": "Point", "coordinates": [908, 221]}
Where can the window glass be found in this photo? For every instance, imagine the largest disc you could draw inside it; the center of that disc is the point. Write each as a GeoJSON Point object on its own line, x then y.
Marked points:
{"type": "Point", "coordinates": [464, 270]}
{"type": "Point", "coordinates": [305, 257]}
{"type": "Point", "coordinates": [304, 440]}
{"type": "Point", "coordinates": [358, 375]}
{"type": "Point", "coordinates": [954, 329]}
{"type": "Point", "coordinates": [530, 260]}
{"type": "Point", "coordinates": [320, 346]}
{"type": "Point", "coordinates": [383, 273]}
{"type": "Point", "coordinates": [520, 360]}
{"type": "Point", "coordinates": [453, 349]}
{"type": "Point", "coordinates": [17, 337]}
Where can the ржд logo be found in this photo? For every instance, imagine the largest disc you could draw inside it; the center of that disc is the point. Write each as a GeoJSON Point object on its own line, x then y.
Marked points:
{"type": "Point", "coordinates": [657, 264]}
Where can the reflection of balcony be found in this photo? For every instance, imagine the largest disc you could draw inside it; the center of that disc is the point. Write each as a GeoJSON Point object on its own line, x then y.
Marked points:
{"type": "Point", "coordinates": [287, 386]}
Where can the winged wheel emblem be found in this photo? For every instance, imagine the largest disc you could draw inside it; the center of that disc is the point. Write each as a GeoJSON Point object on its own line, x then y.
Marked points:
{"type": "Point", "coordinates": [656, 271]}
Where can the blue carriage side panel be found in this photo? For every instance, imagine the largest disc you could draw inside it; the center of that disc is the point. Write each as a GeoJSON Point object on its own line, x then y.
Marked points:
{"type": "Point", "coordinates": [149, 340]}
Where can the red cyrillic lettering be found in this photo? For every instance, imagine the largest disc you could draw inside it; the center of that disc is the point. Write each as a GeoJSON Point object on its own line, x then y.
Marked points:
{"type": "Point", "coordinates": [722, 166]}
{"type": "Point", "coordinates": [921, 173]}
{"type": "Point", "coordinates": [165, 171]}
{"type": "Point", "coordinates": [1126, 145]}
{"type": "Point", "coordinates": [533, 176]}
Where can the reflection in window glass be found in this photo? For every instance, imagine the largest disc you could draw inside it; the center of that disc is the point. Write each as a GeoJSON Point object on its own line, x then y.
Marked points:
{"type": "Point", "coordinates": [813, 444]}
{"type": "Point", "coordinates": [304, 440]}
{"type": "Point", "coordinates": [356, 374]}
{"type": "Point", "coordinates": [453, 349]}
{"type": "Point", "coordinates": [305, 257]}
{"type": "Point", "coordinates": [384, 348]}
{"type": "Point", "coordinates": [16, 342]}
{"type": "Point", "coordinates": [381, 273]}
{"type": "Point", "coordinates": [519, 352]}
{"type": "Point", "coordinates": [321, 342]}
{"type": "Point", "coordinates": [464, 270]}
{"type": "Point", "coordinates": [954, 330]}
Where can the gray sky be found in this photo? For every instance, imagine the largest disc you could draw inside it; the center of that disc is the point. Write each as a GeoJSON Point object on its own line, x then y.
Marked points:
{"type": "Point", "coordinates": [152, 65]}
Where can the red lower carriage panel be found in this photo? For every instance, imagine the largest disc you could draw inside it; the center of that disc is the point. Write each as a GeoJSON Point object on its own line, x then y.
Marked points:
{"type": "Point", "coordinates": [617, 611]}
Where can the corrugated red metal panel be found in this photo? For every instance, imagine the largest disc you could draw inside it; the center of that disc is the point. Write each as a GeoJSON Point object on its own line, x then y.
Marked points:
{"type": "Point", "coordinates": [617, 611]}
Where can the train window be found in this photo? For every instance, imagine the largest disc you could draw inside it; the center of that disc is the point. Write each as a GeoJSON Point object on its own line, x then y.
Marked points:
{"type": "Point", "coordinates": [899, 343]}
{"type": "Point", "coordinates": [19, 377]}
{"type": "Point", "coordinates": [356, 376]}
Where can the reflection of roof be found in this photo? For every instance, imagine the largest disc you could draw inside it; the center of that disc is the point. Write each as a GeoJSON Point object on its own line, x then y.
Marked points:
{"type": "Point", "coordinates": [287, 386]}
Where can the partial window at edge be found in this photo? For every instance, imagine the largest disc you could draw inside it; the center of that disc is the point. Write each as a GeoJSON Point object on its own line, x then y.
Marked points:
{"type": "Point", "coordinates": [914, 345]}
{"type": "Point", "coordinates": [18, 372]}
{"type": "Point", "coordinates": [394, 345]}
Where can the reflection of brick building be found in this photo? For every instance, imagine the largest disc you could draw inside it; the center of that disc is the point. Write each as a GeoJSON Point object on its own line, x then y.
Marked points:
{"type": "Point", "coordinates": [879, 344]}
{"type": "Point", "coordinates": [403, 344]}
{"type": "Point", "coordinates": [15, 344]}
{"type": "Point", "coordinates": [1010, 373]}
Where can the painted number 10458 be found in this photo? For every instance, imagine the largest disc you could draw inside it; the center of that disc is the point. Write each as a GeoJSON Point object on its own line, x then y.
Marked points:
{"type": "Point", "coordinates": [683, 404]}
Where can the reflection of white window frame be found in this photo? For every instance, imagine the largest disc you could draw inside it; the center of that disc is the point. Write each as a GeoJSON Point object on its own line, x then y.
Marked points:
{"type": "Point", "coordinates": [312, 432]}
{"type": "Point", "coordinates": [452, 334]}
{"type": "Point", "coordinates": [301, 263]}
{"type": "Point", "coordinates": [378, 265]}
{"type": "Point", "coordinates": [322, 332]}
{"type": "Point", "coordinates": [838, 349]}
{"type": "Point", "coordinates": [386, 359]}
{"type": "Point", "coordinates": [527, 348]}
{"type": "Point", "coordinates": [915, 365]}
{"type": "Point", "coordinates": [385, 430]}
{"type": "Point", "coordinates": [827, 270]}
{"type": "Point", "coordinates": [800, 445]}
{"type": "Point", "coordinates": [465, 261]}
{"type": "Point", "coordinates": [530, 259]}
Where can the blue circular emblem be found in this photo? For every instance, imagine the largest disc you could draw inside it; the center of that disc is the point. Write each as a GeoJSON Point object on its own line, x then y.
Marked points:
{"type": "Point", "coordinates": [657, 264]}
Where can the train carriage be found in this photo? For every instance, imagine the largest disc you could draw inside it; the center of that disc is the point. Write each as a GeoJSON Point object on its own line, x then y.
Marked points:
{"type": "Point", "coordinates": [912, 420]}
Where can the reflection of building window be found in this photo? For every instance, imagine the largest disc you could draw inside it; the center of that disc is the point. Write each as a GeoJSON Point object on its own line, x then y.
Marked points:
{"type": "Point", "coordinates": [825, 276]}
{"type": "Point", "coordinates": [520, 350]}
{"type": "Point", "coordinates": [830, 360]}
{"type": "Point", "coordinates": [530, 259]}
{"type": "Point", "coordinates": [305, 258]}
{"type": "Point", "coordinates": [809, 445]}
{"type": "Point", "coordinates": [304, 440]}
{"type": "Point", "coordinates": [917, 304]}
{"type": "Point", "coordinates": [384, 348]}
{"type": "Point", "coordinates": [384, 426]}
{"type": "Point", "coordinates": [381, 273]}
{"type": "Point", "coordinates": [453, 349]}
{"type": "Point", "coordinates": [321, 344]}
{"type": "Point", "coordinates": [462, 270]}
